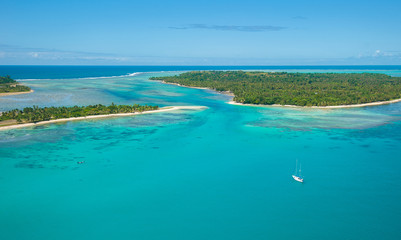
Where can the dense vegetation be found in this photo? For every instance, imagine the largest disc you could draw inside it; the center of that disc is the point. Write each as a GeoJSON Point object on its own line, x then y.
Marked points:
{"type": "Point", "coordinates": [7, 84]}
{"type": "Point", "coordinates": [36, 114]}
{"type": "Point", "coordinates": [301, 89]}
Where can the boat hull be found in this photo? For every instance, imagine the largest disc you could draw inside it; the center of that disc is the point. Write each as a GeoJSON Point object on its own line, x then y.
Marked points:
{"type": "Point", "coordinates": [298, 179]}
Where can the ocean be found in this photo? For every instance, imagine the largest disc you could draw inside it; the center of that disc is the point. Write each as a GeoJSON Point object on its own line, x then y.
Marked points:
{"type": "Point", "coordinates": [219, 173]}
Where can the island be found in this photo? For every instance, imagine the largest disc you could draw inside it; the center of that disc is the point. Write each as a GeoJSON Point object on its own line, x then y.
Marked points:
{"type": "Point", "coordinates": [9, 86]}
{"type": "Point", "coordinates": [296, 89]}
{"type": "Point", "coordinates": [31, 116]}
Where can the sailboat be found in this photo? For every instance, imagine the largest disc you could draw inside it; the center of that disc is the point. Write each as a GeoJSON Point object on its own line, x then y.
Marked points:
{"type": "Point", "coordinates": [297, 176]}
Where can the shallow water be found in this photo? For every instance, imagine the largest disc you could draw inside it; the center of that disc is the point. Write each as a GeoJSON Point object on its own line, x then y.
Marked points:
{"type": "Point", "coordinates": [220, 173]}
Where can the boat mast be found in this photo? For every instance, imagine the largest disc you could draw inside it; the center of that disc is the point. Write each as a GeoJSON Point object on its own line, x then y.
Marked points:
{"type": "Point", "coordinates": [299, 170]}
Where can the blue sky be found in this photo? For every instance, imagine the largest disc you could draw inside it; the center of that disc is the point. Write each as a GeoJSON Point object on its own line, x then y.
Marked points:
{"type": "Point", "coordinates": [156, 32]}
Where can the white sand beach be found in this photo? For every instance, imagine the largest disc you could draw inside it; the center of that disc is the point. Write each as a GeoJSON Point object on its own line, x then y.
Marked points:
{"type": "Point", "coordinates": [321, 107]}
{"type": "Point", "coordinates": [14, 93]}
{"type": "Point", "coordinates": [163, 109]}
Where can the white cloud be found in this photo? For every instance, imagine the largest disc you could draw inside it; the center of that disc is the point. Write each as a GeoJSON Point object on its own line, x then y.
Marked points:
{"type": "Point", "coordinates": [34, 54]}
{"type": "Point", "coordinates": [380, 54]}
{"type": "Point", "coordinates": [21, 55]}
{"type": "Point", "coordinates": [377, 53]}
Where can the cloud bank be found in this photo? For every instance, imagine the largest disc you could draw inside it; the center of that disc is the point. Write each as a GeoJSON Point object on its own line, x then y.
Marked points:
{"type": "Point", "coordinates": [16, 55]}
{"type": "Point", "coordinates": [300, 18]}
{"type": "Point", "coordinates": [10, 54]}
{"type": "Point", "coordinates": [252, 28]}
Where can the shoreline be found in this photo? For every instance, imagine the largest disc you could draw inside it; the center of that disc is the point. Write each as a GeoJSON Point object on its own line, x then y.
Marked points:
{"type": "Point", "coordinates": [14, 93]}
{"type": "Point", "coordinates": [292, 106]}
{"type": "Point", "coordinates": [163, 109]}
{"type": "Point", "coordinates": [319, 107]}
{"type": "Point", "coordinates": [203, 88]}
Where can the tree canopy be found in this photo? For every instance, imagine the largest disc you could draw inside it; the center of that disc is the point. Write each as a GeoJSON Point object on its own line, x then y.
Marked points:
{"type": "Point", "coordinates": [37, 114]}
{"type": "Point", "coordinates": [300, 89]}
{"type": "Point", "coordinates": [7, 84]}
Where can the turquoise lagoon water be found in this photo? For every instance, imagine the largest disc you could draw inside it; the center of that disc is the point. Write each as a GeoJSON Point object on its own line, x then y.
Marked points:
{"type": "Point", "coordinates": [220, 173]}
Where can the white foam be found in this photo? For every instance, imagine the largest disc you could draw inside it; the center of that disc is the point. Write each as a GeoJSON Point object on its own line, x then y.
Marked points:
{"type": "Point", "coordinates": [127, 75]}
{"type": "Point", "coordinates": [135, 74]}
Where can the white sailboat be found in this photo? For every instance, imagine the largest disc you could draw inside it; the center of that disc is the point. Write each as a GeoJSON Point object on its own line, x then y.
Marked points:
{"type": "Point", "coordinates": [297, 176]}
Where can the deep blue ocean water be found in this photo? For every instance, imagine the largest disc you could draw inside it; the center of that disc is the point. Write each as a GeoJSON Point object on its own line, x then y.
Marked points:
{"type": "Point", "coordinates": [220, 173]}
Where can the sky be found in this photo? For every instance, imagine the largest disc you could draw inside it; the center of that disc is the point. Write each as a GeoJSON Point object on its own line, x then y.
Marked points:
{"type": "Point", "coordinates": [208, 32]}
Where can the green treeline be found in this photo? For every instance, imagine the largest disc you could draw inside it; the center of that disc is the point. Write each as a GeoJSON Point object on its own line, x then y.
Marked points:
{"type": "Point", "coordinates": [36, 114]}
{"type": "Point", "coordinates": [301, 89]}
{"type": "Point", "coordinates": [7, 84]}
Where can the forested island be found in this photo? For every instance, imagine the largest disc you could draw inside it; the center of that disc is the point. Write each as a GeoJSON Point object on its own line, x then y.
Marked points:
{"type": "Point", "coordinates": [36, 114]}
{"type": "Point", "coordinates": [9, 85]}
{"type": "Point", "coordinates": [299, 89]}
